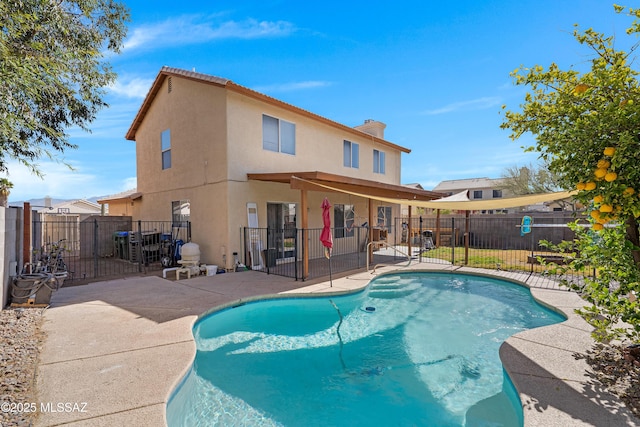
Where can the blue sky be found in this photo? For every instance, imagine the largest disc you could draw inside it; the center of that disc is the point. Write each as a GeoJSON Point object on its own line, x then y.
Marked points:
{"type": "Point", "coordinates": [435, 72]}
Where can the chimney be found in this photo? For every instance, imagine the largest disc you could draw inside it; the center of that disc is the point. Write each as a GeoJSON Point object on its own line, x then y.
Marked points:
{"type": "Point", "coordinates": [372, 127]}
{"type": "Point", "coordinates": [47, 202]}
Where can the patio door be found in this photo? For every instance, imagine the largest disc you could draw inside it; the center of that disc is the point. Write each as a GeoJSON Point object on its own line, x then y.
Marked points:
{"type": "Point", "coordinates": [281, 222]}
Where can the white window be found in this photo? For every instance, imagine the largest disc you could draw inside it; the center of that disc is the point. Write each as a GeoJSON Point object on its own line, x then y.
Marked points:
{"type": "Point", "coordinates": [384, 217]}
{"type": "Point", "coordinates": [343, 218]}
{"type": "Point", "coordinates": [180, 213]}
{"type": "Point", "coordinates": [378, 162]}
{"type": "Point", "coordinates": [351, 154]}
{"type": "Point", "coordinates": [165, 145]}
{"type": "Point", "coordinates": [477, 194]}
{"type": "Point", "coordinates": [278, 135]}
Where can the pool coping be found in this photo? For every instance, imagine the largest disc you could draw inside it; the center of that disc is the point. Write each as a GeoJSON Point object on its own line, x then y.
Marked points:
{"type": "Point", "coordinates": [123, 346]}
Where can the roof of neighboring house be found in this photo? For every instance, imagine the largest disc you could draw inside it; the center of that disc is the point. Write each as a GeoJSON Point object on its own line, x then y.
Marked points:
{"type": "Point", "coordinates": [125, 195]}
{"type": "Point", "coordinates": [79, 206]}
{"type": "Point", "coordinates": [228, 84]}
{"type": "Point", "coordinates": [466, 184]}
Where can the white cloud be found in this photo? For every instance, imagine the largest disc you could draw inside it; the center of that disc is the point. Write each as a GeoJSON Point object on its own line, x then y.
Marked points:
{"type": "Point", "coordinates": [473, 104]}
{"type": "Point", "coordinates": [293, 86]}
{"type": "Point", "coordinates": [131, 88]}
{"type": "Point", "coordinates": [196, 29]}
{"type": "Point", "coordinates": [60, 182]}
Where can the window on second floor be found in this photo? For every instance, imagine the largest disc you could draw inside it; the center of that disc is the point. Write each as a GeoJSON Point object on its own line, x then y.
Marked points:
{"type": "Point", "coordinates": [378, 162]}
{"type": "Point", "coordinates": [351, 154]}
{"type": "Point", "coordinates": [165, 146]}
{"type": "Point", "coordinates": [477, 194]}
{"type": "Point", "coordinates": [278, 135]}
{"type": "Point", "coordinates": [497, 194]}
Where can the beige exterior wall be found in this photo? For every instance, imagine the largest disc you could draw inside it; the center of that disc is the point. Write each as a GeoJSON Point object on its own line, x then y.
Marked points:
{"type": "Point", "coordinates": [319, 147]}
{"type": "Point", "coordinates": [216, 140]}
{"type": "Point", "coordinates": [122, 207]}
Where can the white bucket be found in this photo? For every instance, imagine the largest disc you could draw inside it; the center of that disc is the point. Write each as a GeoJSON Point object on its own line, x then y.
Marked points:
{"type": "Point", "coordinates": [212, 270]}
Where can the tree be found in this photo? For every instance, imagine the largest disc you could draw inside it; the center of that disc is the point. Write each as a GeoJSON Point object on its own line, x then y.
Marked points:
{"type": "Point", "coordinates": [53, 72]}
{"type": "Point", "coordinates": [5, 189]}
{"type": "Point", "coordinates": [530, 179]}
{"type": "Point", "coordinates": [587, 128]}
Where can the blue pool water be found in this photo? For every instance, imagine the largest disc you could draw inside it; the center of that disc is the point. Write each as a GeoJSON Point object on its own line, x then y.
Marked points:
{"type": "Point", "coordinates": [413, 349]}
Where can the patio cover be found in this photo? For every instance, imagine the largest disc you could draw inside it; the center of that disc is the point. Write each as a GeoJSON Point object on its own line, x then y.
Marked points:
{"type": "Point", "coordinates": [460, 205]}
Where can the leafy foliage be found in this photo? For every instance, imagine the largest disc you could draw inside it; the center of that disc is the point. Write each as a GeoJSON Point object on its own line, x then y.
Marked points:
{"type": "Point", "coordinates": [611, 280]}
{"type": "Point", "coordinates": [586, 126]}
{"type": "Point", "coordinates": [53, 72]}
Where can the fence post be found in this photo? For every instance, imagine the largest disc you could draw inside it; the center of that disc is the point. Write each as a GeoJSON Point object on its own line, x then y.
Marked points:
{"type": "Point", "coordinates": [95, 248]}
{"type": "Point", "coordinates": [266, 261]}
{"type": "Point", "coordinates": [421, 242]}
{"type": "Point", "coordinates": [453, 241]}
{"type": "Point", "coordinates": [138, 247]}
{"type": "Point", "coordinates": [295, 253]}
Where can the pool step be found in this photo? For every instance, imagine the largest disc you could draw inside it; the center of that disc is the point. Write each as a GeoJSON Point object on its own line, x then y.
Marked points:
{"type": "Point", "coordinates": [387, 291]}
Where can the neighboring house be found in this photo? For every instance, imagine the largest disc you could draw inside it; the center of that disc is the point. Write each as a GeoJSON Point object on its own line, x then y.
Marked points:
{"type": "Point", "coordinates": [223, 156]}
{"type": "Point", "coordinates": [487, 189]}
{"type": "Point", "coordinates": [120, 204]}
{"type": "Point", "coordinates": [79, 209]}
{"type": "Point", "coordinates": [478, 189]}
{"type": "Point", "coordinates": [55, 221]}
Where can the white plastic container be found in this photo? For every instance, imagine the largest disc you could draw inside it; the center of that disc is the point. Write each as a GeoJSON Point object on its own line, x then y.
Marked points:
{"type": "Point", "coordinates": [212, 270]}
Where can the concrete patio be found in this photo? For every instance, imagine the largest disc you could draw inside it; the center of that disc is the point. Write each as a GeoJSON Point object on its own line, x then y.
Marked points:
{"type": "Point", "coordinates": [115, 350]}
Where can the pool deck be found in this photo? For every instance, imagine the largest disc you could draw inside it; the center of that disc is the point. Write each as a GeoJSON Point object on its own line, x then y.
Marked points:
{"type": "Point", "coordinates": [115, 350]}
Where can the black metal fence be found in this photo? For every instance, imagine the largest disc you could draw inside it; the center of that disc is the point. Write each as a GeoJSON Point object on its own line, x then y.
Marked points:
{"type": "Point", "coordinates": [483, 241]}
{"type": "Point", "coordinates": [281, 252]}
{"type": "Point", "coordinates": [504, 241]}
{"type": "Point", "coordinates": [102, 247]}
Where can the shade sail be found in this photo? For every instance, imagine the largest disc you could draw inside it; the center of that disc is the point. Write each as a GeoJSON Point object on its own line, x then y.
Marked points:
{"type": "Point", "coordinates": [468, 205]}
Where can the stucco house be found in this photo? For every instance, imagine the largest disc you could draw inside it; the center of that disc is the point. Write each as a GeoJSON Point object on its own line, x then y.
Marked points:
{"type": "Point", "coordinates": [226, 157]}
{"type": "Point", "coordinates": [477, 189]}
{"type": "Point", "coordinates": [120, 204]}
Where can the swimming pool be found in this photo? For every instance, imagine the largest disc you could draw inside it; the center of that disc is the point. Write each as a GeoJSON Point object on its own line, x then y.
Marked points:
{"type": "Point", "coordinates": [411, 349]}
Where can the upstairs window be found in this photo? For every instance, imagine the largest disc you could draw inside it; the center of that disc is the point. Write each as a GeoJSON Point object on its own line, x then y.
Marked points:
{"type": "Point", "coordinates": [351, 154]}
{"type": "Point", "coordinates": [278, 135]}
{"type": "Point", "coordinates": [378, 162]}
{"type": "Point", "coordinates": [165, 145]}
{"type": "Point", "coordinates": [497, 194]}
{"type": "Point", "coordinates": [477, 194]}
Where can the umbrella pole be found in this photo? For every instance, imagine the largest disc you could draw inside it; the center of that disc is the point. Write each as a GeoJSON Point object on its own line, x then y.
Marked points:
{"type": "Point", "coordinates": [330, 278]}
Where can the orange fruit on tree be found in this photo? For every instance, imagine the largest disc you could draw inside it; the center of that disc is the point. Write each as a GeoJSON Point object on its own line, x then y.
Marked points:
{"type": "Point", "coordinates": [609, 151]}
{"type": "Point", "coordinates": [611, 176]}
{"type": "Point", "coordinates": [581, 88]}
{"type": "Point", "coordinates": [600, 172]}
{"type": "Point", "coordinates": [595, 214]}
{"type": "Point", "coordinates": [606, 208]}
{"type": "Point", "coordinates": [604, 163]}
{"type": "Point", "coordinates": [598, 199]}
{"type": "Point", "coordinates": [590, 186]}
{"type": "Point", "coordinates": [597, 226]}
{"type": "Point", "coordinates": [629, 191]}
{"type": "Point", "coordinates": [580, 186]}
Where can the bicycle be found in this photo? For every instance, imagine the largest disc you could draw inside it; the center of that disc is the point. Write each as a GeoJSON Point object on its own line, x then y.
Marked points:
{"type": "Point", "coordinates": [49, 259]}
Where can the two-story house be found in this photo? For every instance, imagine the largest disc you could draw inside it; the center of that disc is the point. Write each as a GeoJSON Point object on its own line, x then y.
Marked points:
{"type": "Point", "coordinates": [477, 189]}
{"type": "Point", "coordinates": [225, 157]}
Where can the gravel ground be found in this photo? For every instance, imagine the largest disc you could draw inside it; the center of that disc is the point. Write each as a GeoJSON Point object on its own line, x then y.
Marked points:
{"type": "Point", "coordinates": [22, 339]}
{"type": "Point", "coordinates": [19, 349]}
